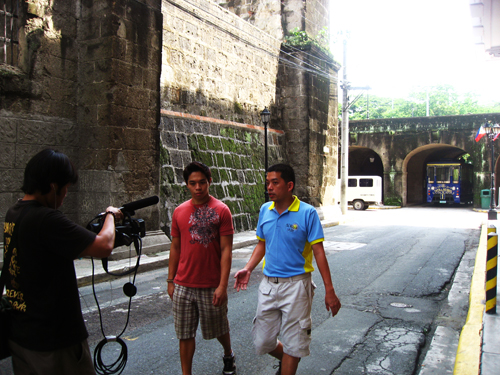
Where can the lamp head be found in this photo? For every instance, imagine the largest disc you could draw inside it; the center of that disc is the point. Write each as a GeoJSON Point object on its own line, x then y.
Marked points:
{"type": "Point", "coordinates": [265, 116]}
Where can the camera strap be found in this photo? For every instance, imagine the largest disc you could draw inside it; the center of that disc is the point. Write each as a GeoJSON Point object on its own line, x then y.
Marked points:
{"type": "Point", "coordinates": [138, 249]}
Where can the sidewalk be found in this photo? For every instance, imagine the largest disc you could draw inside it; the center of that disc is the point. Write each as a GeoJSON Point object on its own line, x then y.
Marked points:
{"type": "Point", "coordinates": [479, 346]}
{"type": "Point", "coordinates": [476, 351]}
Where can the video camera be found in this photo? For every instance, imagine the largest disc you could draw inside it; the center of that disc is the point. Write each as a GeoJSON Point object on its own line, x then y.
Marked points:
{"type": "Point", "coordinates": [130, 228]}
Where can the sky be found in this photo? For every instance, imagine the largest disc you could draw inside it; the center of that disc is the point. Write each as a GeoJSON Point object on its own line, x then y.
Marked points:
{"type": "Point", "coordinates": [396, 46]}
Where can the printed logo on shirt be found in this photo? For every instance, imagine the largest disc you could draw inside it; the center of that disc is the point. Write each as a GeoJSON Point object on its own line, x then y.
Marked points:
{"type": "Point", "coordinates": [204, 225]}
{"type": "Point", "coordinates": [292, 227]}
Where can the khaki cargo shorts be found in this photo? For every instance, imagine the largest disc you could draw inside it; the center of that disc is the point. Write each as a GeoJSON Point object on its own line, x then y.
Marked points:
{"type": "Point", "coordinates": [284, 310]}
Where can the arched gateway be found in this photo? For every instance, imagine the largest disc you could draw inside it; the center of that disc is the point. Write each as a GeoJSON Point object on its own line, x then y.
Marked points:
{"type": "Point", "coordinates": [399, 150]}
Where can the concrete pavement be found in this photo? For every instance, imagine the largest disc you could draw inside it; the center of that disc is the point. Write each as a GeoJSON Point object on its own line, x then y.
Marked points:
{"type": "Point", "coordinates": [479, 346]}
{"type": "Point", "coordinates": [475, 351]}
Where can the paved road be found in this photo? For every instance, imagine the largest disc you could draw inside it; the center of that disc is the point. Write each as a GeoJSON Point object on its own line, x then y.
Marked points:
{"type": "Point", "coordinates": [392, 270]}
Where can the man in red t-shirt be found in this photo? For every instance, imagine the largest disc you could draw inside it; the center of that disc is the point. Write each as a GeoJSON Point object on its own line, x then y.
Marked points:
{"type": "Point", "coordinates": [199, 266]}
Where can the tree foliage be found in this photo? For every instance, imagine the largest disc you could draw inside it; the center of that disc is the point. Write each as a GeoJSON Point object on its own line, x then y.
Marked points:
{"type": "Point", "coordinates": [443, 101]}
{"type": "Point", "coordinates": [300, 39]}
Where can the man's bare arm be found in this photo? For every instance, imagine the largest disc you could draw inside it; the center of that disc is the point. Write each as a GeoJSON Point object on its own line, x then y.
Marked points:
{"type": "Point", "coordinates": [226, 247]}
{"type": "Point", "coordinates": [332, 302]}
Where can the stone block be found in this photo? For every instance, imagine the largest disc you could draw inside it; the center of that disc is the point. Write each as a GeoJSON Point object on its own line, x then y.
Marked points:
{"type": "Point", "coordinates": [94, 181]}
{"type": "Point", "coordinates": [35, 132]}
{"type": "Point", "coordinates": [119, 116]}
{"type": "Point", "coordinates": [150, 79]}
{"type": "Point", "coordinates": [66, 134]}
{"type": "Point", "coordinates": [7, 155]}
{"type": "Point", "coordinates": [91, 203]}
{"type": "Point", "coordinates": [112, 25]}
{"type": "Point", "coordinates": [101, 48]}
{"type": "Point", "coordinates": [96, 93]}
{"type": "Point", "coordinates": [125, 73]}
{"type": "Point", "coordinates": [8, 130]}
{"type": "Point", "coordinates": [169, 139]}
{"type": "Point", "coordinates": [176, 159]}
{"type": "Point", "coordinates": [12, 179]}
{"type": "Point", "coordinates": [89, 29]}
{"type": "Point", "coordinates": [182, 142]}
{"type": "Point", "coordinates": [91, 9]}
{"type": "Point", "coordinates": [148, 118]}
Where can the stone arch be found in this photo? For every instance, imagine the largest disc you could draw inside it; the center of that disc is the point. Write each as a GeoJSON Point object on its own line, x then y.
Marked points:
{"type": "Point", "coordinates": [364, 161]}
{"type": "Point", "coordinates": [413, 189]}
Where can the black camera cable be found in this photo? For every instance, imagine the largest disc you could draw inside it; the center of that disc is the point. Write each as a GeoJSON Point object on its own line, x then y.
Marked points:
{"type": "Point", "coordinates": [129, 290]}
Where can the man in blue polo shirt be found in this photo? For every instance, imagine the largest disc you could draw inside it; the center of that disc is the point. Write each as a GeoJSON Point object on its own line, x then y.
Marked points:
{"type": "Point", "coordinates": [289, 233]}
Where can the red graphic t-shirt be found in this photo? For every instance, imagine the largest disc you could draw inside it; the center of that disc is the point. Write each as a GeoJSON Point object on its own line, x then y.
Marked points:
{"type": "Point", "coordinates": [199, 228]}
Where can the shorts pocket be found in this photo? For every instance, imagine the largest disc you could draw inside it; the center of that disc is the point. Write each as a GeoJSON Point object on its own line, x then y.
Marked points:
{"type": "Point", "coordinates": [305, 326]}
{"type": "Point", "coordinates": [264, 288]}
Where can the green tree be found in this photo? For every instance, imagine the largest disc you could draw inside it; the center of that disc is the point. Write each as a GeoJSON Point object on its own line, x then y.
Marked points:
{"type": "Point", "coordinates": [443, 101]}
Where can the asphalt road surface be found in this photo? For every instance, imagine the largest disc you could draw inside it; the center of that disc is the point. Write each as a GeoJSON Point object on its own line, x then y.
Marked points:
{"type": "Point", "coordinates": [392, 270]}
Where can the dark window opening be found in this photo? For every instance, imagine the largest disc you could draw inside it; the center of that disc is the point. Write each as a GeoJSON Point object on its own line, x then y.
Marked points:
{"type": "Point", "coordinates": [9, 32]}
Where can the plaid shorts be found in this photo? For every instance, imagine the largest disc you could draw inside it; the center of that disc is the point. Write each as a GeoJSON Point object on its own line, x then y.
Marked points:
{"type": "Point", "coordinates": [193, 305]}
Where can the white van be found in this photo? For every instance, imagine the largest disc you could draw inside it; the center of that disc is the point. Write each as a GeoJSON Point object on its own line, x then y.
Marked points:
{"type": "Point", "coordinates": [363, 191]}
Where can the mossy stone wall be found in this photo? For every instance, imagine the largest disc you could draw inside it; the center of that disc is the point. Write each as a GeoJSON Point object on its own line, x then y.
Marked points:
{"type": "Point", "coordinates": [235, 155]}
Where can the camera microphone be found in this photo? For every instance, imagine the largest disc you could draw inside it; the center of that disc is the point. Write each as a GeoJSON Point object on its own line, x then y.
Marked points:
{"type": "Point", "coordinates": [141, 203]}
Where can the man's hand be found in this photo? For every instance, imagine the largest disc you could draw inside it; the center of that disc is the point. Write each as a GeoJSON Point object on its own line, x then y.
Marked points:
{"type": "Point", "coordinates": [220, 296]}
{"type": "Point", "coordinates": [170, 290]}
{"type": "Point", "coordinates": [117, 213]}
{"type": "Point", "coordinates": [242, 277]}
{"type": "Point", "coordinates": [332, 302]}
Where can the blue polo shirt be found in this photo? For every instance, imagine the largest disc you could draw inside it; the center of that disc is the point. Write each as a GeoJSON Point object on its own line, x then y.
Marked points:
{"type": "Point", "coordinates": [289, 238]}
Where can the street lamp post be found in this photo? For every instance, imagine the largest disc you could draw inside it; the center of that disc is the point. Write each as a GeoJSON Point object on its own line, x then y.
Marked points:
{"type": "Point", "coordinates": [265, 116]}
{"type": "Point", "coordinates": [492, 130]}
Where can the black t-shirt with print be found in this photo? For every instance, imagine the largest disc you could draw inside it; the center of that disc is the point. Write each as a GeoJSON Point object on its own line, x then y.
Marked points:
{"type": "Point", "coordinates": [42, 285]}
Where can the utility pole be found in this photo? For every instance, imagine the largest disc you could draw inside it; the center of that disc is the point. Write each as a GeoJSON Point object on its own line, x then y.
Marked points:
{"type": "Point", "coordinates": [345, 136]}
{"type": "Point", "coordinates": [344, 151]}
{"type": "Point", "coordinates": [427, 101]}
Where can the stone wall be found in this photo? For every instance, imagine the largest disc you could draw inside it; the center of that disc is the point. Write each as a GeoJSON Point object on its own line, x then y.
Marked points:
{"type": "Point", "coordinates": [214, 64]}
{"type": "Point", "coordinates": [119, 99]}
{"type": "Point", "coordinates": [87, 84]}
{"type": "Point", "coordinates": [266, 15]}
{"type": "Point", "coordinates": [233, 151]}
{"type": "Point", "coordinates": [218, 74]}
{"type": "Point", "coordinates": [229, 70]}
{"type": "Point", "coordinates": [277, 18]}
{"type": "Point", "coordinates": [309, 96]}
{"type": "Point", "coordinates": [133, 90]}
{"type": "Point", "coordinates": [38, 96]}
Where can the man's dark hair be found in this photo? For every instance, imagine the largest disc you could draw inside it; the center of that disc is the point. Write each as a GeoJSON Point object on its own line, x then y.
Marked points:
{"type": "Point", "coordinates": [196, 166]}
{"type": "Point", "coordinates": [287, 172]}
{"type": "Point", "coordinates": [47, 167]}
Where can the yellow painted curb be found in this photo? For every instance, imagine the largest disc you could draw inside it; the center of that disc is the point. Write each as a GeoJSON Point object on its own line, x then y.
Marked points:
{"type": "Point", "coordinates": [468, 357]}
